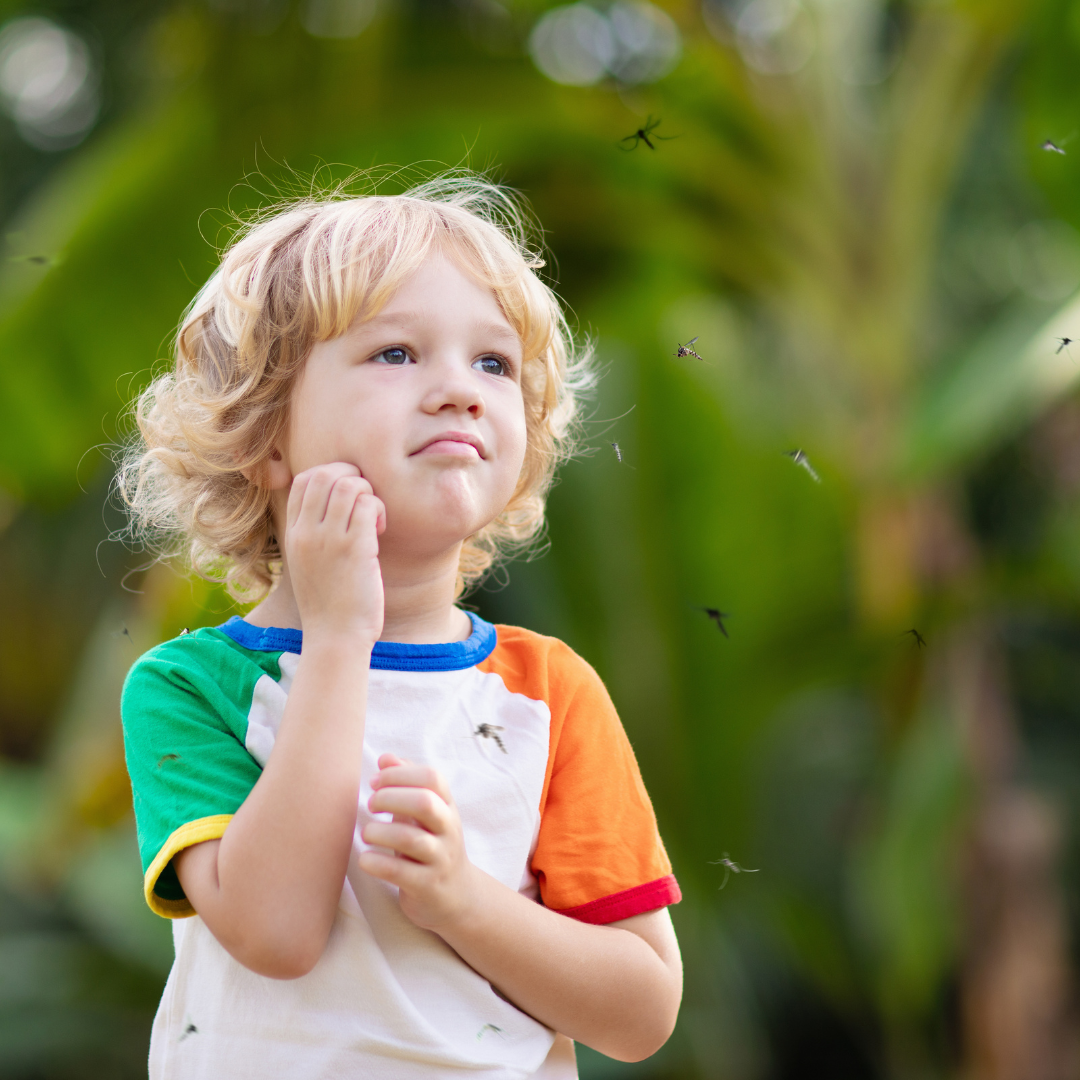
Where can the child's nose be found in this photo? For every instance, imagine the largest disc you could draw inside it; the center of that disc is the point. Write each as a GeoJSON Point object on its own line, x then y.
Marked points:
{"type": "Point", "coordinates": [455, 391]}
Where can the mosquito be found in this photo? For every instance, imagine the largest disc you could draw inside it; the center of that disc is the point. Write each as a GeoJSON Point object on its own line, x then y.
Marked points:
{"type": "Point", "coordinates": [1065, 343]}
{"type": "Point", "coordinates": [167, 757]}
{"type": "Point", "coordinates": [718, 617]}
{"type": "Point", "coordinates": [191, 1029]}
{"type": "Point", "coordinates": [920, 641]}
{"type": "Point", "coordinates": [642, 135]}
{"type": "Point", "coordinates": [185, 631]}
{"type": "Point", "coordinates": [489, 1027]}
{"type": "Point", "coordinates": [686, 350]}
{"type": "Point", "coordinates": [1052, 147]}
{"type": "Point", "coordinates": [730, 867]}
{"type": "Point", "coordinates": [488, 731]}
{"type": "Point", "coordinates": [803, 462]}
{"type": "Point", "coordinates": [618, 452]}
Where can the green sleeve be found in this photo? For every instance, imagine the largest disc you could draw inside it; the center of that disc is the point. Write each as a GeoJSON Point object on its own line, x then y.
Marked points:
{"type": "Point", "coordinates": [185, 711]}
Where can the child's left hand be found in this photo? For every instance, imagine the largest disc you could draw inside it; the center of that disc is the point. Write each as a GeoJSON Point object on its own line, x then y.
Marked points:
{"type": "Point", "coordinates": [432, 871]}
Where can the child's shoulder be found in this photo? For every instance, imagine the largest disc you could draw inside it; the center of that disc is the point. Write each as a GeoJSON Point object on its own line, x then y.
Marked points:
{"type": "Point", "coordinates": [208, 646]}
{"type": "Point", "coordinates": [203, 661]}
{"type": "Point", "coordinates": [537, 664]}
{"type": "Point", "coordinates": [517, 641]}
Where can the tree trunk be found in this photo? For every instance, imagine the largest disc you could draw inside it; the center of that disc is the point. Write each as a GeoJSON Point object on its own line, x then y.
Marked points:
{"type": "Point", "coordinates": [1017, 1010]}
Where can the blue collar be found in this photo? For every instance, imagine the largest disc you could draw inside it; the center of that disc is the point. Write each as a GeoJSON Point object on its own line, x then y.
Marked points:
{"type": "Point", "coordinates": [387, 655]}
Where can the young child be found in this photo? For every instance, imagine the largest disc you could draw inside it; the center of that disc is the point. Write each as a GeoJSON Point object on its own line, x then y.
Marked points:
{"type": "Point", "coordinates": [397, 841]}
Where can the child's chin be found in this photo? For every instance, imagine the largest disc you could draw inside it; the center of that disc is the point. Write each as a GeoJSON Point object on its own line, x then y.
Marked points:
{"type": "Point", "coordinates": [451, 506]}
{"type": "Point", "coordinates": [456, 496]}
{"type": "Point", "coordinates": [442, 522]}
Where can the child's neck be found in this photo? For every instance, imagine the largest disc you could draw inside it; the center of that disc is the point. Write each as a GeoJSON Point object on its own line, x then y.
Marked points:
{"type": "Point", "coordinates": [418, 604]}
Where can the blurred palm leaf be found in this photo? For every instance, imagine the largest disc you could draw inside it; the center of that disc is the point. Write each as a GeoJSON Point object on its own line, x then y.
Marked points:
{"type": "Point", "coordinates": [1013, 374]}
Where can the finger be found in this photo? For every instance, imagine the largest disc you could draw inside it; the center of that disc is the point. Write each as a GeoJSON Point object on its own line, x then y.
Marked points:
{"type": "Point", "coordinates": [319, 485]}
{"type": "Point", "coordinates": [386, 761]}
{"type": "Point", "coordinates": [315, 492]}
{"type": "Point", "coordinates": [296, 498]}
{"type": "Point", "coordinates": [403, 873]}
{"type": "Point", "coordinates": [408, 775]}
{"type": "Point", "coordinates": [341, 468]}
{"type": "Point", "coordinates": [329, 476]}
{"type": "Point", "coordinates": [344, 494]}
{"type": "Point", "coordinates": [407, 840]}
{"type": "Point", "coordinates": [421, 804]}
{"type": "Point", "coordinates": [365, 507]}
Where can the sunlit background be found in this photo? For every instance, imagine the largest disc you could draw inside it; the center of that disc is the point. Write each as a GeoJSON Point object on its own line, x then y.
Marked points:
{"type": "Point", "coordinates": [866, 213]}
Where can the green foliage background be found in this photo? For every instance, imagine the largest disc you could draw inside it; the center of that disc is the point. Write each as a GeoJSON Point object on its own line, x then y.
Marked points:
{"type": "Point", "coordinates": [844, 256]}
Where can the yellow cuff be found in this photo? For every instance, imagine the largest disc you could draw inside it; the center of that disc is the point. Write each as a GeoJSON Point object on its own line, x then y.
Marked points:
{"type": "Point", "coordinates": [194, 832]}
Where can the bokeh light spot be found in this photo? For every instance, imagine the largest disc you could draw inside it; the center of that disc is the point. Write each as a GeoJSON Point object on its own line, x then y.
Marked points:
{"type": "Point", "coordinates": [47, 83]}
{"type": "Point", "coordinates": [633, 41]}
{"type": "Point", "coordinates": [775, 37]}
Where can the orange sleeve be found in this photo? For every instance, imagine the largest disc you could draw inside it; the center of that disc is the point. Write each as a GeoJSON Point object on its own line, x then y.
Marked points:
{"type": "Point", "coordinates": [599, 857]}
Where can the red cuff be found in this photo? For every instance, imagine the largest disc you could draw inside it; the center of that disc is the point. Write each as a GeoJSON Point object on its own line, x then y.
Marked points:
{"type": "Point", "coordinates": [622, 905]}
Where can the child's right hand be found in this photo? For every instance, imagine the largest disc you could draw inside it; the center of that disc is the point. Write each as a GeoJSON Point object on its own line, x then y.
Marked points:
{"type": "Point", "coordinates": [333, 522]}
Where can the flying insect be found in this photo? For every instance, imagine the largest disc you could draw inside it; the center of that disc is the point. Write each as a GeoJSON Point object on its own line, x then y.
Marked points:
{"type": "Point", "coordinates": [685, 350]}
{"type": "Point", "coordinates": [803, 462]}
{"type": "Point", "coordinates": [489, 731]}
{"type": "Point", "coordinates": [730, 867]}
{"type": "Point", "coordinates": [717, 617]}
{"type": "Point", "coordinates": [642, 135]}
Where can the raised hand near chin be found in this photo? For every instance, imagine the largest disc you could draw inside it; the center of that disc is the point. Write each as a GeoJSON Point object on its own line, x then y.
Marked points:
{"type": "Point", "coordinates": [333, 522]}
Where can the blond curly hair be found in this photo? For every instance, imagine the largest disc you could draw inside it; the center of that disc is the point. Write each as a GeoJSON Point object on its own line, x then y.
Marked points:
{"type": "Point", "coordinates": [300, 273]}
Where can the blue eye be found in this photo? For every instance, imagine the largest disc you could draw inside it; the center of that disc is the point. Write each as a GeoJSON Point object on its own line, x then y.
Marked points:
{"type": "Point", "coordinates": [393, 355]}
{"type": "Point", "coordinates": [492, 365]}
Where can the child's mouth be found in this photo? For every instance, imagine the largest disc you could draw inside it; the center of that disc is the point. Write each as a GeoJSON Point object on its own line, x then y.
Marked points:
{"type": "Point", "coordinates": [452, 446]}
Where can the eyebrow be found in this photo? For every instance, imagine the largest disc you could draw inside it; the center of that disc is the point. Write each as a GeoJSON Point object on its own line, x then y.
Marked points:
{"type": "Point", "coordinates": [407, 318]}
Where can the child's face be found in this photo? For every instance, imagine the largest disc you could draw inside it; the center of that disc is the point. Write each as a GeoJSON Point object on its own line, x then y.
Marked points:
{"type": "Point", "coordinates": [425, 399]}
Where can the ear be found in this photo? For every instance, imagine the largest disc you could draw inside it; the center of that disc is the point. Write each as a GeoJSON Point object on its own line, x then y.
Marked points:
{"type": "Point", "coordinates": [273, 473]}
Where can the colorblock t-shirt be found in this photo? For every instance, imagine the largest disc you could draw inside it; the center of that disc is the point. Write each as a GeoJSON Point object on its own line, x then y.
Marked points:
{"type": "Point", "coordinates": [551, 803]}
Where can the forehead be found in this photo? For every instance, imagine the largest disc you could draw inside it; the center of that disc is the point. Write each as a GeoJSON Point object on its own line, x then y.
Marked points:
{"type": "Point", "coordinates": [441, 290]}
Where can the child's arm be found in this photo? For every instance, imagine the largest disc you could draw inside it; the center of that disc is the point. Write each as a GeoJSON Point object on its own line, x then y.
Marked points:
{"type": "Point", "coordinates": [615, 988]}
{"type": "Point", "coordinates": [269, 888]}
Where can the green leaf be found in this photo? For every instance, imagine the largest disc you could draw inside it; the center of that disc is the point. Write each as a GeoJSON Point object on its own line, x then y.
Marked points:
{"type": "Point", "coordinates": [1013, 373]}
